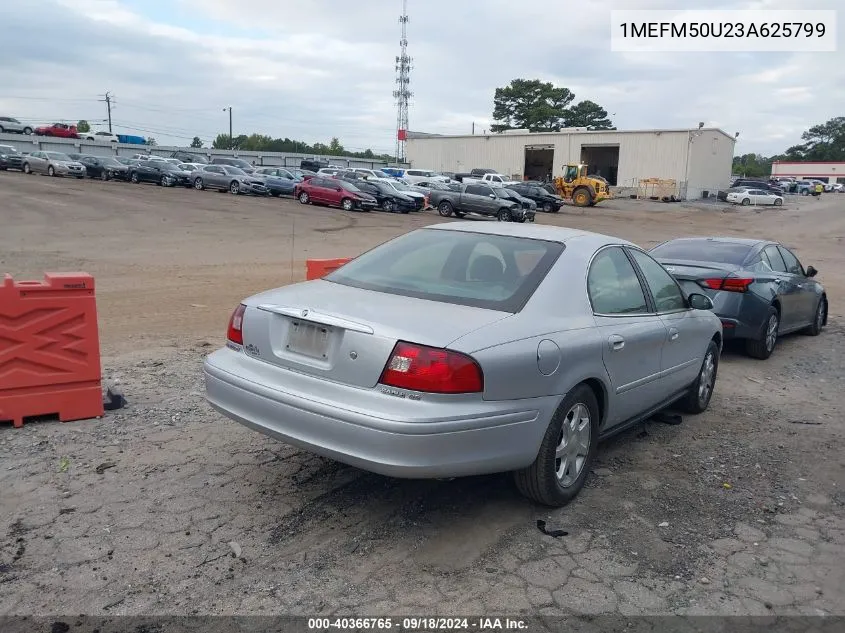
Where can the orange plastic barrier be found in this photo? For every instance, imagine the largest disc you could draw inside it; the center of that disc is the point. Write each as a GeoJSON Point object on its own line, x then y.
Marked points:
{"type": "Point", "coordinates": [316, 268]}
{"type": "Point", "coordinates": [49, 348]}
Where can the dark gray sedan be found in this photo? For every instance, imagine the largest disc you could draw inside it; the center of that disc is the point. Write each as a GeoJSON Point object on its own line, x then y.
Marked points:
{"type": "Point", "coordinates": [760, 290]}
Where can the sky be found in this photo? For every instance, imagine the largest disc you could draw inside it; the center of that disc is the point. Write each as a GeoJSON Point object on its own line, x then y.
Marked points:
{"type": "Point", "coordinates": [323, 68]}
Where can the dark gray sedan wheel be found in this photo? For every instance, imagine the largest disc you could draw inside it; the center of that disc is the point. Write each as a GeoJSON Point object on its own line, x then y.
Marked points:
{"type": "Point", "coordinates": [104, 175]}
{"type": "Point", "coordinates": [134, 178]}
{"type": "Point", "coordinates": [698, 397]}
{"type": "Point", "coordinates": [504, 215]}
{"type": "Point", "coordinates": [763, 346]}
{"type": "Point", "coordinates": [566, 452]}
{"type": "Point", "coordinates": [548, 207]}
{"type": "Point", "coordinates": [198, 184]}
{"type": "Point", "coordinates": [387, 205]}
{"type": "Point", "coordinates": [234, 188]}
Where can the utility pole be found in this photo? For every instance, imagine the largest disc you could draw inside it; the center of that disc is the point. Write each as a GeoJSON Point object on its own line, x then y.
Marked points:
{"type": "Point", "coordinates": [473, 128]}
{"type": "Point", "coordinates": [108, 98]}
{"type": "Point", "coordinates": [231, 139]}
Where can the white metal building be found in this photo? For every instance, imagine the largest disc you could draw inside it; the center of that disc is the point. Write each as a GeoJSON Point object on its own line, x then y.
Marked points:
{"type": "Point", "coordinates": [831, 172]}
{"type": "Point", "coordinates": [698, 160]}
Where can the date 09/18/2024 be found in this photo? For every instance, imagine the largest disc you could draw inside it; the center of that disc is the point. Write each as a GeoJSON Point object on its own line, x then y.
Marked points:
{"type": "Point", "coordinates": [418, 624]}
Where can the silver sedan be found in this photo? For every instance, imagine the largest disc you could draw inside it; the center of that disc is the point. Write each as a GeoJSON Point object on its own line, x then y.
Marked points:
{"type": "Point", "coordinates": [53, 164]}
{"type": "Point", "coordinates": [228, 178]}
{"type": "Point", "coordinates": [470, 348]}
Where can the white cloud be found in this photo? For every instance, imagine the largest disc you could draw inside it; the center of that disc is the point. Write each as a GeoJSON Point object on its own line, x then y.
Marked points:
{"type": "Point", "coordinates": [323, 68]}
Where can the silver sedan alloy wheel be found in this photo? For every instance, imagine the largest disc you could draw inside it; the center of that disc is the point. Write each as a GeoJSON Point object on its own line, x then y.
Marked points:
{"type": "Point", "coordinates": [707, 379]}
{"type": "Point", "coordinates": [573, 445]}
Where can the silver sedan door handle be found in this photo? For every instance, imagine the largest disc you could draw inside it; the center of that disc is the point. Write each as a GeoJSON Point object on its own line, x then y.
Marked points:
{"type": "Point", "coordinates": [673, 334]}
{"type": "Point", "coordinates": [616, 342]}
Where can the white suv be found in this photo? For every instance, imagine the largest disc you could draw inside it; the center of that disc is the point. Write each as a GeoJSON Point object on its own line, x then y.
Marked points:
{"type": "Point", "coordinates": [101, 136]}
{"type": "Point", "coordinates": [414, 176]}
{"type": "Point", "coordinates": [10, 124]}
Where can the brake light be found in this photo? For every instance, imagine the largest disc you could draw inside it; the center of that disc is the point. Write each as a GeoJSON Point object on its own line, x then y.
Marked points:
{"type": "Point", "coordinates": [728, 284]}
{"type": "Point", "coordinates": [431, 369]}
{"type": "Point", "coordinates": [236, 324]}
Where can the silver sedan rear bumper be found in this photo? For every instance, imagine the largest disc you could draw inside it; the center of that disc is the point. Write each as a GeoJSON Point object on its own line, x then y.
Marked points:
{"type": "Point", "coordinates": [487, 443]}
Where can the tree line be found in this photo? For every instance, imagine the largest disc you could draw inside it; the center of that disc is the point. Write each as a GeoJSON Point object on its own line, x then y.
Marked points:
{"type": "Point", "coordinates": [264, 143]}
{"type": "Point", "coordinates": [823, 142]}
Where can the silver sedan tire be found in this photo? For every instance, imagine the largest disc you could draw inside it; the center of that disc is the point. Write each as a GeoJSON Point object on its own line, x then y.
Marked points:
{"type": "Point", "coordinates": [698, 397]}
{"type": "Point", "coordinates": [566, 452]}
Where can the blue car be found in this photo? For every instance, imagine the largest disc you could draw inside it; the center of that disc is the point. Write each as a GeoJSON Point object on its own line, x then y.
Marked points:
{"type": "Point", "coordinates": [393, 172]}
{"type": "Point", "coordinates": [279, 181]}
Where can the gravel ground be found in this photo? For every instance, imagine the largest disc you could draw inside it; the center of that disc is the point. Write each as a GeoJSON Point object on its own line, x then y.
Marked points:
{"type": "Point", "coordinates": [165, 507]}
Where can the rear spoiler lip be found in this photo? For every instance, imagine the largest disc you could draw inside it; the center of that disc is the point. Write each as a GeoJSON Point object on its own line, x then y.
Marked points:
{"type": "Point", "coordinates": [709, 270]}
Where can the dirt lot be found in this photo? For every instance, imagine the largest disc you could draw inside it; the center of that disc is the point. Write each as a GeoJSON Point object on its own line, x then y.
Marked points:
{"type": "Point", "coordinates": [196, 514]}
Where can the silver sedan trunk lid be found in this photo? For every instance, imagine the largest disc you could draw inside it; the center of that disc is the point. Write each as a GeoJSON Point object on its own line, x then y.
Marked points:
{"type": "Point", "coordinates": [346, 334]}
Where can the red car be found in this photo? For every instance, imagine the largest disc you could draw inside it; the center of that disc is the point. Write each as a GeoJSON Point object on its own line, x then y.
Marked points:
{"type": "Point", "coordinates": [57, 129]}
{"type": "Point", "coordinates": [333, 193]}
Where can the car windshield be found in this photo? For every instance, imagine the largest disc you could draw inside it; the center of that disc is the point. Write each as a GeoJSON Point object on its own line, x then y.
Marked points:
{"type": "Point", "coordinates": [165, 166]}
{"type": "Point", "coordinates": [236, 163]}
{"type": "Point", "coordinates": [348, 186]}
{"type": "Point", "coordinates": [703, 251]}
{"type": "Point", "coordinates": [111, 162]}
{"type": "Point", "coordinates": [401, 186]}
{"type": "Point", "coordinates": [501, 192]}
{"type": "Point", "coordinates": [58, 156]}
{"type": "Point", "coordinates": [496, 272]}
{"type": "Point", "coordinates": [234, 171]}
{"type": "Point", "coordinates": [7, 149]}
{"type": "Point", "coordinates": [187, 167]}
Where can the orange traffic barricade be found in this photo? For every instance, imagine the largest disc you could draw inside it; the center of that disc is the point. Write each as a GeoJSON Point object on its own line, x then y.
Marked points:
{"type": "Point", "coordinates": [316, 268]}
{"type": "Point", "coordinates": [49, 348]}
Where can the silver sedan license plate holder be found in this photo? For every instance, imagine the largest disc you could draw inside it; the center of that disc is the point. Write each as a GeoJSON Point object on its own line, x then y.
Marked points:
{"type": "Point", "coordinates": [309, 339]}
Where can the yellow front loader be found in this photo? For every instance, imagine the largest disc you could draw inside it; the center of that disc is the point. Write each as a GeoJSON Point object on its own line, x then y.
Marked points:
{"type": "Point", "coordinates": [579, 188]}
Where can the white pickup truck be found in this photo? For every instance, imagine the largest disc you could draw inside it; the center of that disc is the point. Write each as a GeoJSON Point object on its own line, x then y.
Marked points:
{"type": "Point", "coordinates": [494, 180]}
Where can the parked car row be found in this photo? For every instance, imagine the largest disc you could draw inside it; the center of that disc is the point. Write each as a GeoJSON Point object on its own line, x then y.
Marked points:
{"type": "Point", "coordinates": [436, 355]}
{"type": "Point", "coordinates": [808, 186]}
{"type": "Point", "coordinates": [62, 130]}
{"type": "Point", "coordinates": [143, 168]}
{"type": "Point", "coordinates": [355, 189]}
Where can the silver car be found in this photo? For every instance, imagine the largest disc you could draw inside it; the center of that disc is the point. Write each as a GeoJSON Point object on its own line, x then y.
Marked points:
{"type": "Point", "coordinates": [53, 164]}
{"type": "Point", "coordinates": [11, 124]}
{"type": "Point", "coordinates": [470, 348]}
{"type": "Point", "coordinates": [228, 178]}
